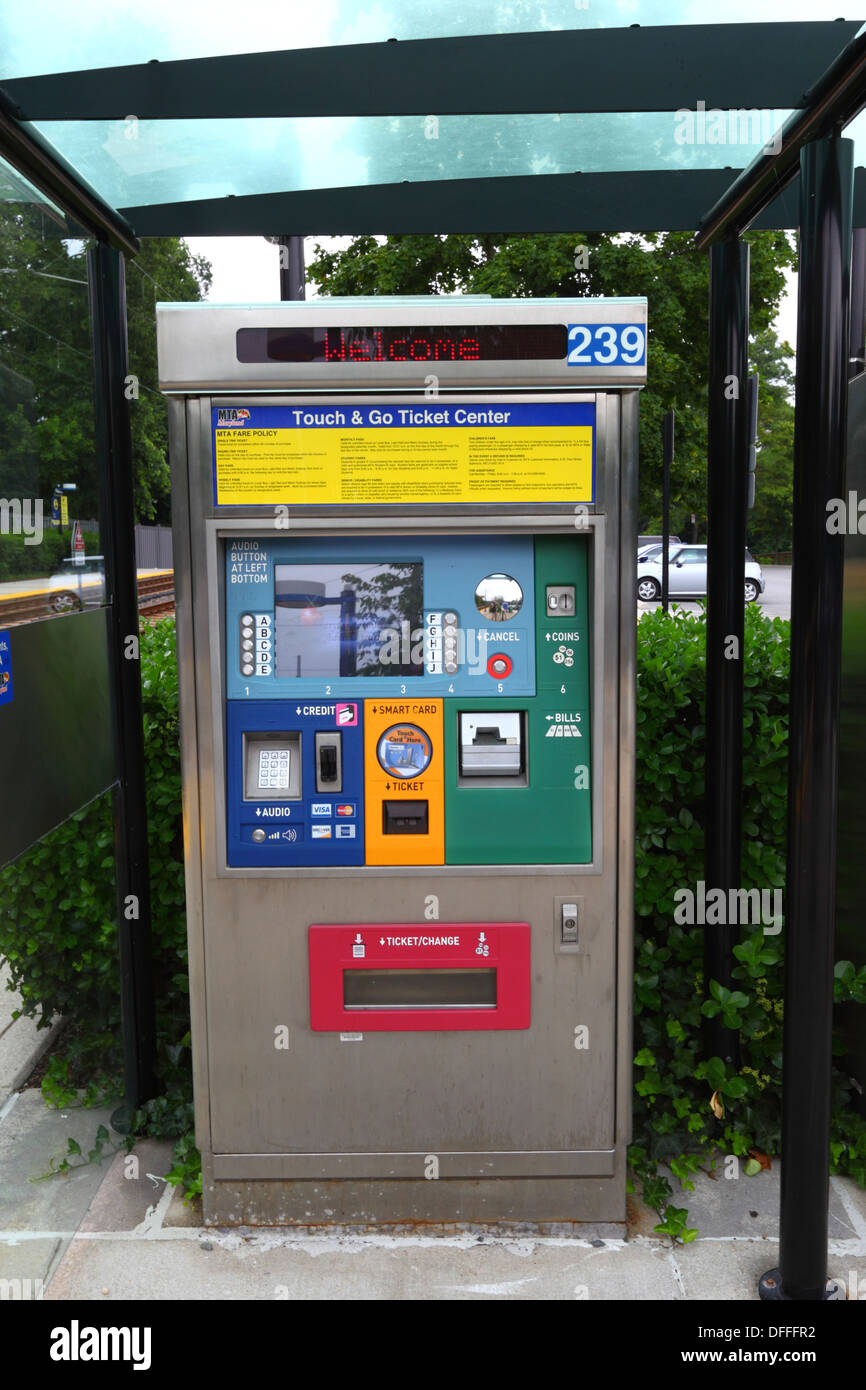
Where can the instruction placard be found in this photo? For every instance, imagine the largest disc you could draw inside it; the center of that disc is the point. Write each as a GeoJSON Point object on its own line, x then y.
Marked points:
{"type": "Point", "coordinates": [396, 454]}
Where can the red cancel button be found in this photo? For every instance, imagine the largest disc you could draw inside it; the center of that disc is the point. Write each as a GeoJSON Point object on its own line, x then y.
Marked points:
{"type": "Point", "coordinates": [499, 665]}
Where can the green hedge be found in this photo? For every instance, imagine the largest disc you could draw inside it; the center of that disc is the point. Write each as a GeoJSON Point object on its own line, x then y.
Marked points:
{"type": "Point", "coordinates": [21, 561]}
{"type": "Point", "coordinates": [58, 920]}
{"type": "Point", "coordinates": [687, 1109]}
{"type": "Point", "coordinates": [57, 924]}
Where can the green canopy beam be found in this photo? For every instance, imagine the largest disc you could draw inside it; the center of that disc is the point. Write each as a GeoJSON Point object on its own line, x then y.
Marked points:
{"type": "Point", "coordinates": [645, 201]}
{"type": "Point", "coordinates": [661, 68]}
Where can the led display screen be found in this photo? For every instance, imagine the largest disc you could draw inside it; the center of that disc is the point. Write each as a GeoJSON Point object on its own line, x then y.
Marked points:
{"type": "Point", "coordinates": [418, 343]}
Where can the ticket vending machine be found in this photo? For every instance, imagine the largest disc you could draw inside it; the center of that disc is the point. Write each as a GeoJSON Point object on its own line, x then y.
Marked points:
{"type": "Point", "coordinates": [404, 549]}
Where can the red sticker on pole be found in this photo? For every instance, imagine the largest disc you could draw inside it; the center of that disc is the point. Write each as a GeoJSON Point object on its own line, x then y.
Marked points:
{"type": "Point", "coordinates": [78, 544]}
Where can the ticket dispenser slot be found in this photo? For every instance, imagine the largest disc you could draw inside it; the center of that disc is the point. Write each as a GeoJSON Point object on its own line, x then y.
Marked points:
{"type": "Point", "coordinates": [419, 989]}
{"type": "Point", "coordinates": [405, 817]}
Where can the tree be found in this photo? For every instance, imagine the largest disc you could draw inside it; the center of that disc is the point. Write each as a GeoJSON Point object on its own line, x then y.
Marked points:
{"type": "Point", "coordinates": [165, 269]}
{"type": "Point", "coordinates": [769, 524]}
{"type": "Point", "coordinates": [46, 371]}
{"type": "Point", "coordinates": [662, 266]}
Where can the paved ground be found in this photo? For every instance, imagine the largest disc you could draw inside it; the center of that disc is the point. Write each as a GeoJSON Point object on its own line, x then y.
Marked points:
{"type": "Point", "coordinates": [775, 601]}
{"type": "Point", "coordinates": [776, 598]}
{"type": "Point", "coordinates": [21, 1042]}
{"type": "Point", "coordinates": [117, 1232]}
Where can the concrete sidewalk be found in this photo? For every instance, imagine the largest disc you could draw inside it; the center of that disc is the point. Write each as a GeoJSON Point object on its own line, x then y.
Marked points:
{"type": "Point", "coordinates": [118, 1231]}
{"type": "Point", "coordinates": [22, 1044]}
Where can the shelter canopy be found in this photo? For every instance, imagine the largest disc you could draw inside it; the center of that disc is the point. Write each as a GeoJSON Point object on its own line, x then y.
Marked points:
{"type": "Point", "coordinates": [397, 115]}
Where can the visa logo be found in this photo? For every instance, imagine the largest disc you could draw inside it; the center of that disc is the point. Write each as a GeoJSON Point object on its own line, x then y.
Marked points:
{"type": "Point", "coordinates": [321, 808]}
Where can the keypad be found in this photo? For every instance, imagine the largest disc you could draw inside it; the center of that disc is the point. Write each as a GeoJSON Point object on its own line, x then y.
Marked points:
{"type": "Point", "coordinates": [274, 768]}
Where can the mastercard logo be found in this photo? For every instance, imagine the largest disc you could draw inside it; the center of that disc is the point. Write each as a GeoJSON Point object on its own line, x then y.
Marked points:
{"type": "Point", "coordinates": [346, 810]}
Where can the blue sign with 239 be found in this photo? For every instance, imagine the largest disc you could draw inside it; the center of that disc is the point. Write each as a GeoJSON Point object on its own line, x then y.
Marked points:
{"type": "Point", "coordinates": [606, 345]}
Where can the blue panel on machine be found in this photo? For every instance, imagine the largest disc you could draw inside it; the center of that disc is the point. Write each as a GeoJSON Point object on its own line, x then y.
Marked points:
{"type": "Point", "coordinates": [372, 616]}
{"type": "Point", "coordinates": [295, 776]}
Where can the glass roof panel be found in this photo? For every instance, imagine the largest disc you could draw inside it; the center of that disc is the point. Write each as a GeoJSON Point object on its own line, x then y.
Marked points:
{"type": "Point", "coordinates": [19, 192]}
{"type": "Point", "coordinates": [138, 163]}
{"type": "Point", "coordinates": [14, 188]}
{"type": "Point", "coordinates": [58, 36]}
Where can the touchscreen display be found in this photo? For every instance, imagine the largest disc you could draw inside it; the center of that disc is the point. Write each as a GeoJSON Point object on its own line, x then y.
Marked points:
{"type": "Point", "coordinates": [361, 618]}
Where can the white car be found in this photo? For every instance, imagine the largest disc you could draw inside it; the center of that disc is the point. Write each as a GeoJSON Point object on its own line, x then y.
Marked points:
{"type": "Point", "coordinates": [652, 552]}
{"type": "Point", "coordinates": [687, 575]}
{"type": "Point", "coordinates": [77, 584]}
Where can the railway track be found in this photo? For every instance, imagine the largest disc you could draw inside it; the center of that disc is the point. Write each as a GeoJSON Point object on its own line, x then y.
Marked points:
{"type": "Point", "coordinates": [159, 607]}
{"type": "Point", "coordinates": [155, 600]}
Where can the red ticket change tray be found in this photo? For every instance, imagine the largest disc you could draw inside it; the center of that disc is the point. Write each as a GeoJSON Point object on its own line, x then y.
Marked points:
{"type": "Point", "coordinates": [405, 978]}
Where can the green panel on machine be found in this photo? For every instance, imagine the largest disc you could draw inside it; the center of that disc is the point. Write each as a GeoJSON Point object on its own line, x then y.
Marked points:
{"type": "Point", "coordinates": [517, 782]}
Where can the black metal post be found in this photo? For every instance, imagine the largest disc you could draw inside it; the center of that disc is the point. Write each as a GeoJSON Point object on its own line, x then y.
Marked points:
{"type": "Point", "coordinates": [753, 394]}
{"type": "Point", "coordinates": [857, 336]}
{"type": "Point", "coordinates": [826, 194]}
{"type": "Point", "coordinates": [727, 472]}
{"type": "Point", "coordinates": [292, 269]}
{"type": "Point", "coordinates": [106, 273]}
{"type": "Point", "coordinates": [667, 460]}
